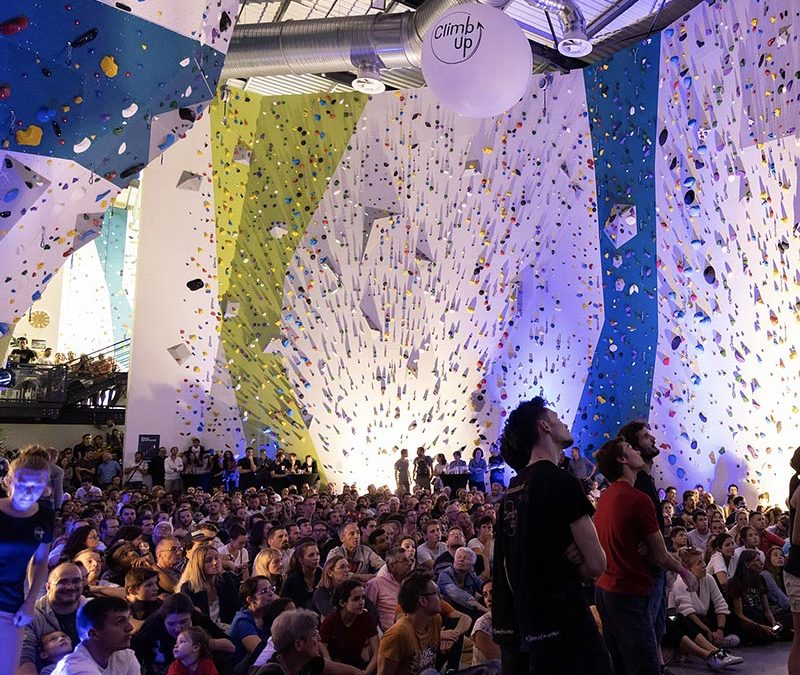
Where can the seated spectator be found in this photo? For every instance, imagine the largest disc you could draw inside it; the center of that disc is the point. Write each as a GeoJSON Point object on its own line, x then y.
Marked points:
{"type": "Point", "coordinates": [409, 545]}
{"type": "Point", "coordinates": [141, 592]}
{"type": "Point", "coordinates": [776, 590]}
{"type": "Point", "coordinates": [350, 635]}
{"type": "Point", "coordinates": [460, 585]}
{"type": "Point", "coordinates": [234, 555]}
{"type": "Point", "coordinates": [82, 538]}
{"type": "Point", "coordinates": [87, 492]}
{"type": "Point", "coordinates": [748, 594]}
{"type": "Point", "coordinates": [335, 571]}
{"type": "Point", "coordinates": [432, 547]}
{"type": "Point", "coordinates": [53, 647]}
{"type": "Point", "coordinates": [410, 645]}
{"type": "Point", "coordinates": [722, 563]}
{"type": "Point", "coordinates": [247, 629]}
{"type": "Point", "coordinates": [766, 539]}
{"type": "Point", "coordinates": [155, 640]}
{"type": "Point", "coordinates": [105, 630]}
{"type": "Point", "coordinates": [296, 640]}
{"type": "Point", "coordinates": [455, 540]}
{"type": "Point", "coordinates": [169, 564]}
{"type": "Point", "coordinates": [192, 654]}
{"type": "Point", "coordinates": [304, 574]}
{"type": "Point", "coordinates": [384, 589]}
{"type": "Point", "coordinates": [212, 590]}
{"type": "Point", "coordinates": [363, 561]}
{"type": "Point", "coordinates": [269, 563]}
{"type": "Point", "coordinates": [122, 557]}
{"type": "Point", "coordinates": [483, 544]}
{"type": "Point", "coordinates": [485, 649]}
{"type": "Point", "coordinates": [379, 542]}
{"type": "Point", "coordinates": [700, 624]}
{"type": "Point", "coordinates": [56, 611]}
{"type": "Point", "coordinates": [747, 540]}
{"type": "Point", "coordinates": [699, 536]}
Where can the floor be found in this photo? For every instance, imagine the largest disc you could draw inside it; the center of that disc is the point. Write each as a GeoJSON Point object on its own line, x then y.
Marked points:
{"type": "Point", "coordinates": [770, 660]}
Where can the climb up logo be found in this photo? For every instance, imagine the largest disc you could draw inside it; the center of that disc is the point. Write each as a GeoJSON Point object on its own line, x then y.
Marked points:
{"type": "Point", "coordinates": [456, 38]}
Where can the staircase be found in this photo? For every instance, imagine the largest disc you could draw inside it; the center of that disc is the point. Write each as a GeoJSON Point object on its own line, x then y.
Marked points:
{"type": "Point", "coordinates": [88, 390]}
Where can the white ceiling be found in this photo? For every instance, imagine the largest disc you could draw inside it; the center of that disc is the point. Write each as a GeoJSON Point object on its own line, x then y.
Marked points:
{"type": "Point", "coordinates": [531, 19]}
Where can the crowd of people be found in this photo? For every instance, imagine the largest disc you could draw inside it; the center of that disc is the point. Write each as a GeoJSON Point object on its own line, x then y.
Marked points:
{"type": "Point", "coordinates": [189, 562]}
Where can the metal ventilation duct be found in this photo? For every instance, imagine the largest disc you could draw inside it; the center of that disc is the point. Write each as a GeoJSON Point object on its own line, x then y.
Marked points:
{"type": "Point", "coordinates": [358, 42]}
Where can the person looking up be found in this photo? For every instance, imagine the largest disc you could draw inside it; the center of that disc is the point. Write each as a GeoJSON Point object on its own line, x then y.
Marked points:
{"type": "Point", "coordinates": [541, 619]}
{"type": "Point", "coordinates": [625, 519]}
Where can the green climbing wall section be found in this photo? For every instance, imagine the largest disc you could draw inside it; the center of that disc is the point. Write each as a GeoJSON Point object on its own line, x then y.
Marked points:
{"type": "Point", "coordinates": [273, 159]}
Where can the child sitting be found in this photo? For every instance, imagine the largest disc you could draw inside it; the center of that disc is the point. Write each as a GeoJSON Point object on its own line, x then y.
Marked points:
{"type": "Point", "coordinates": [52, 648]}
{"type": "Point", "coordinates": [192, 654]}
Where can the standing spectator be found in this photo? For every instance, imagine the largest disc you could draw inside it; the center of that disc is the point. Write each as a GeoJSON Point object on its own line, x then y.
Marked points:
{"type": "Point", "coordinates": [56, 482]}
{"type": "Point", "coordinates": [625, 519]}
{"type": "Point", "coordinates": [541, 618]}
{"type": "Point", "coordinates": [156, 467]}
{"type": "Point", "coordinates": [105, 630]}
{"type": "Point", "coordinates": [458, 466]}
{"type": "Point", "coordinates": [173, 468]}
{"type": "Point", "coordinates": [410, 645]}
{"type": "Point", "coordinates": [791, 571]}
{"type": "Point", "coordinates": [580, 467]}
{"type": "Point", "coordinates": [23, 354]}
{"type": "Point", "coordinates": [423, 466]}
{"type": "Point", "coordinates": [135, 474]}
{"type": "Point", "coordinates": [401, 473]}
{"type": "Point", "coordinates": [497, 467]}
{"type": "Point", "coordinates": [247, 469]}
{"type": "Point", "coordinates": [115, 441]}
{"type": "Point", "coordinates": [26, 530]}
{"type": "Point", "coordinates": [107, 470]}
{"type": "Point", "coordinates": [477, 471]}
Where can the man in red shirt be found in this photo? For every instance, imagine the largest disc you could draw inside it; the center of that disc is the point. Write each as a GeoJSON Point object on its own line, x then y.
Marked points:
{"type": "Point", "coordinates": [626, 519]}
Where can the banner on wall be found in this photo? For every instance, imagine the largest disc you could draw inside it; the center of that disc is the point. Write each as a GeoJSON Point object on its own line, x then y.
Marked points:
{"type": "Point", "coordinates": [149, 444]}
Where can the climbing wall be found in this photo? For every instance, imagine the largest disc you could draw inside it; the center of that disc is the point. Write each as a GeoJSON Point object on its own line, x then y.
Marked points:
{"type": "Point", "coordinates": [90, 92]}
{"type": "Point", "coordinates": [728, 147]}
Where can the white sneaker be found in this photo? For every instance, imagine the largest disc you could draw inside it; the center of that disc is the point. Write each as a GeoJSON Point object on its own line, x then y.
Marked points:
{"type": "Point", "coordinates": [730, 641]}
{"type": "Point", "coordinates": [730, 660]}
{"type": "Point", "coordinates": [714, 661]}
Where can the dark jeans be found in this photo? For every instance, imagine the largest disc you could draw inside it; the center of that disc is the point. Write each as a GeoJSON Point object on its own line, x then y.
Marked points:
{"type": "Point", "coordinates": [657, 603]}
{"type": "Point", "coordinates": [577, 650]}
{"type": "Point", "coordinates": [628, 632]}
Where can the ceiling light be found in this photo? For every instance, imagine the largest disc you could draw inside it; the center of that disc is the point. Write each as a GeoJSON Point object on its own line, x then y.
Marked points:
{"type": "Point", "coordinates": [368, 80]}
{"type": "Point", "coordinates": [575, 45]}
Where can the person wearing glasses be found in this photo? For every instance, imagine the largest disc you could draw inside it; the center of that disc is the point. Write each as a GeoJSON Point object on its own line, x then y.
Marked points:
{"type": "Point", "coordinates": [57, 610]}
{"type": "Point", "coordinates": [248, 629]}
{"type": "Point", "coordinates": [410, 645]}
{"type": "Point", "coordinates": [170, 561]}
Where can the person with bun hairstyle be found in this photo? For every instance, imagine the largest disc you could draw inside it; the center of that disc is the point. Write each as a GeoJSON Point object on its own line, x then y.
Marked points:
{"type": "Point", "coordinates": [26, 531]}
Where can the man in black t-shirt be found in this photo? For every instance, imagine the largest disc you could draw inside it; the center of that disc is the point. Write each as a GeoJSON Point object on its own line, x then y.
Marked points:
{"type": "Point", "coordinates": [540, 615]}
{"type": "Point", "coordinates": [22, 353]}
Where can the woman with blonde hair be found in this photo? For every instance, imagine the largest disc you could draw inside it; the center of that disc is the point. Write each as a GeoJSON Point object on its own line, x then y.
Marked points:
{"type": "Point", "coordinates": [212, 590]}
{"type": "Point", "coordinates": [26, 531]}
{"type": "Point", "coordinates": [335, 571]}
{"type": "Point", "coordinates": [269, 563]}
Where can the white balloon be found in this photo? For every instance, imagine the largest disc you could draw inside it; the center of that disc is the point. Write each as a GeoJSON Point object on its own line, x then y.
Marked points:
{"type": "Point", "coordinates": [477, 60]}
